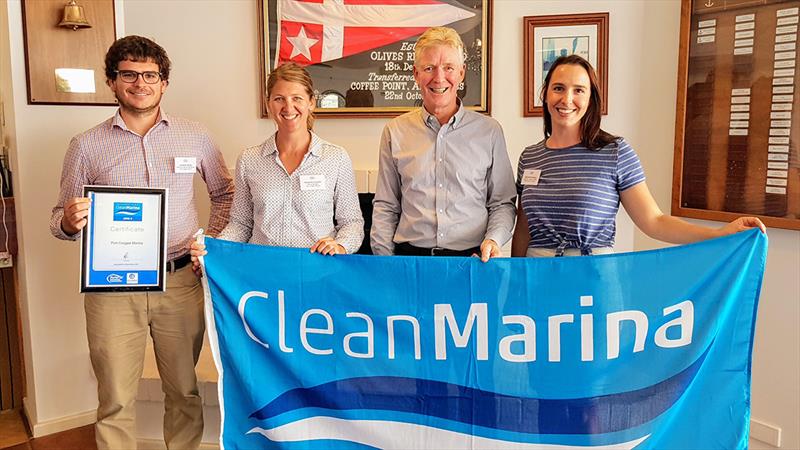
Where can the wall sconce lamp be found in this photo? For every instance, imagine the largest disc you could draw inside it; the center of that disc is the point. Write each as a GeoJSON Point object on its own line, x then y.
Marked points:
{"type": "Point", "coordinates": [74, 17]}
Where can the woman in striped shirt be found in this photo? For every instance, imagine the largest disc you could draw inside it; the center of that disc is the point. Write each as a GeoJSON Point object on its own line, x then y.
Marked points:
{"type": "Point", "coordinates": [570, 184]}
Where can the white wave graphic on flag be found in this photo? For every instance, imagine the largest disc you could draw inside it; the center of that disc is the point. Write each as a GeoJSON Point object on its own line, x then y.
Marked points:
{"type": "Point", "coordinates": [391, 435]}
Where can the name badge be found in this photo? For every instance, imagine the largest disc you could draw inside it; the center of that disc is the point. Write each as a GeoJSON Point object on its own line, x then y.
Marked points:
{"type": "Point", "coordinates": [312, 182]}
{"type": "Point", "coordinates": [530, 177]}
{"type": "Point", "coordinates": [185, 164]}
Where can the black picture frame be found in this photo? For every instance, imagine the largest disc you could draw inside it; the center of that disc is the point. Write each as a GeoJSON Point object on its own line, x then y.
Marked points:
{"type": "Point", "coordinates": [377, 81]}
{"type": "Point", "coordinates": [87, 236]}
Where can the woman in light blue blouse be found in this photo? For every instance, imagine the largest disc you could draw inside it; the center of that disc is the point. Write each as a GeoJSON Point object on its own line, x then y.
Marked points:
{"type": "Point", "coordinates": [570, 184]}
{"type": "Point", "coordinates": [294, 189]}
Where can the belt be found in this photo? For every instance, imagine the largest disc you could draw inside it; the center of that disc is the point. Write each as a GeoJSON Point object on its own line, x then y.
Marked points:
{"type": "Point", "coordinates": [179, 262]}
{"type": "Point", "coordinates": [585, 250]}
{"type": "Point", "coordinates": [406, 249]}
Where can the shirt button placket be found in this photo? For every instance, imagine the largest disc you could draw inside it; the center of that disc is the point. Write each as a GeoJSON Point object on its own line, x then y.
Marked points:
{"type": "Point", "coordinates": [288, 200]}
{"type": "Point", "coordinates": [440, 182]}
{"type": "Point", "coordinates": [148, 169]}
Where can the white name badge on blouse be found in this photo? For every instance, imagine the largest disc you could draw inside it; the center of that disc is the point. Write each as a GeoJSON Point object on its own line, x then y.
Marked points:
{"type": "Point", "coordinates": [530, 177]}
{"type": "Point", "coordinates": [312, 182]}
{"type": "Point", "coordinates": [184, 164]}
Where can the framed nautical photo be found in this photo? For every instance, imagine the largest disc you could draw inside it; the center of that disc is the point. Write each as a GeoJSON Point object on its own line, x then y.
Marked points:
{"type": "Point", "coordinates": [123, 246]}
{"type": "Point", "coordinates": [546, 38]}
{"type": "Point", "coordinates": [360, 53]}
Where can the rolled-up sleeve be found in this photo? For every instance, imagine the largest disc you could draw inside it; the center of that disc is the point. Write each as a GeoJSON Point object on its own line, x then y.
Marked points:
{"type": "Point", "coordinates": [219, 185]}
{"type": "Point", "coordinates": [74, 175]}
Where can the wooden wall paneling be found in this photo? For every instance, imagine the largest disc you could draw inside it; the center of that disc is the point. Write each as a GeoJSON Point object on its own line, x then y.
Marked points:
{"type": "Point", "coordinates": [680, 108]}
{"type": "Point", "coordinates": [15, 336]}
{"type": "Point", "coordinates": [10, 225]}
{"type": "Point", "coordinates": [11, 371]}
{"type": "Point", "coordinates": [48, 47]}
{"type": "Point", "coordinates": [6, 366]}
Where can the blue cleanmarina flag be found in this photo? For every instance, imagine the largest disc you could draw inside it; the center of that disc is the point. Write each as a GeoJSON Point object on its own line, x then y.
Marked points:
{"type": "Point", "coordinates": [646, 350]}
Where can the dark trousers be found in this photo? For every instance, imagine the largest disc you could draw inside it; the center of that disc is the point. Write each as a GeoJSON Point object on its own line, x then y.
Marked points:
{"type": "Point", "coordinates": [406, 249]}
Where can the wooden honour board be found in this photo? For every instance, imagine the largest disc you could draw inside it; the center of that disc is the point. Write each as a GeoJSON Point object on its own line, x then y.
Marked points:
{"type": "Point", "coordinates": [737, 123]}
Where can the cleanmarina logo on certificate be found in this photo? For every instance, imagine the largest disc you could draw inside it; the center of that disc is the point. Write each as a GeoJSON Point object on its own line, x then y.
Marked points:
{"type": "Point", "coordinates": [127, 212]}
{"type": "Point", "coordinates": [114, 278]}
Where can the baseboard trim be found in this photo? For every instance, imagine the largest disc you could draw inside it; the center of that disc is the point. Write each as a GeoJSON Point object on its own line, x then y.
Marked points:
{"type": "Point", "coordinates": [764, 432]}
{"type": "Point", "coordinates": [27, 409]}
{"type": "Point", "coordinates": [62, 423]}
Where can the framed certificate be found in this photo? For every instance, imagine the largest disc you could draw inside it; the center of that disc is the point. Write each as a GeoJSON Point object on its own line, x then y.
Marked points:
{"type": "Point", "coordinates": [124, 241]}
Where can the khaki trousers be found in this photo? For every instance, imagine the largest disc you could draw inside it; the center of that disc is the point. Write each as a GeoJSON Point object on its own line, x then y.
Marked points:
{"type": "Point", "coordinates": [116, 325]}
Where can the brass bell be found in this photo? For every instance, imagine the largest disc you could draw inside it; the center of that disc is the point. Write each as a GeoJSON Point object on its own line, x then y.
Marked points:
{"type": "Point", "coordinates": [74, 17]}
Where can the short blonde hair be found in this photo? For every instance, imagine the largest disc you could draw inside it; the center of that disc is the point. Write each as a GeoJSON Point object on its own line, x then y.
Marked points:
{"type": "Point", "coordinates": [439, 36]}
{"type": "Point", "coordinates": [293, 73]}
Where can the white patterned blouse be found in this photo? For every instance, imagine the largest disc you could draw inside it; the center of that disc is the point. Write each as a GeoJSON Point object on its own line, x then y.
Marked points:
{"type": "Point", "coordinates": [319, 199]}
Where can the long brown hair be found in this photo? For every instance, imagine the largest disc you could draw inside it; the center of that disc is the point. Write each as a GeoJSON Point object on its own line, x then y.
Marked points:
{"type": "Point", "coordinates": [294, 73]}
{"type": "Point", "coordinates": [591, 135]}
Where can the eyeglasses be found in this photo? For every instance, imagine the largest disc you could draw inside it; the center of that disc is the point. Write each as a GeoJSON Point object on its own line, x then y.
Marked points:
{"type": "Point", "coordinates": [130, 76]}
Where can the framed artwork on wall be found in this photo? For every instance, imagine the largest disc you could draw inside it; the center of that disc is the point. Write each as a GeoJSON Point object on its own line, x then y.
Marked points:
{"type": "Point", "coordinates": [736, 129]}
{"type": "Point", "coordinates": [545, 38]}
{"type": "Point", "coordinates": [361, 54]}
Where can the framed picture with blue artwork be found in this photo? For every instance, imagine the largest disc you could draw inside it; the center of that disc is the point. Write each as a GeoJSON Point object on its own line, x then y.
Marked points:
{"type": "Point", "coordinates": [546, 38]}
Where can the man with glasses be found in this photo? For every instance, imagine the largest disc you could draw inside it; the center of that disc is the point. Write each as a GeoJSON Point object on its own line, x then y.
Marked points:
{"type": "Point", "coordinates": [140, 147]}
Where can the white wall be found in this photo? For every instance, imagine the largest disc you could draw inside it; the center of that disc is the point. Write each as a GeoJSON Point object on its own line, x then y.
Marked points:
{"type": "Point", "coordinates": [776, 354]}
{"type": "Point", "coordinates": [52, 319]}
{"type": "Point", "coordinates": [213, 45]}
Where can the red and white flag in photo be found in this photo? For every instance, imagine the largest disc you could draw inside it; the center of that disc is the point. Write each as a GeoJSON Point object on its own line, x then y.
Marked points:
{"type": "Point", "coordinates": [314, 31]}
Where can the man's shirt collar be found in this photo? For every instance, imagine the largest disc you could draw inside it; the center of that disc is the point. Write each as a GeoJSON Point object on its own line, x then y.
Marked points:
{"type": "Point", "coordinates": [119, 122]}
{"type": "Point", "coordinates": [432, 122]}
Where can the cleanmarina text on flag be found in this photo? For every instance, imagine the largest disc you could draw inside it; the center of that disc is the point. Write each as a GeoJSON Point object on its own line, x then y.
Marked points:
{"type": "Point", "coordinates": [634, 350]}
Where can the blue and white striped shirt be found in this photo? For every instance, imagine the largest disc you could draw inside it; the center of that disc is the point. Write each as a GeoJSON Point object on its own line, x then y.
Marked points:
{"type": "Point", "coordinates": [575, 202]}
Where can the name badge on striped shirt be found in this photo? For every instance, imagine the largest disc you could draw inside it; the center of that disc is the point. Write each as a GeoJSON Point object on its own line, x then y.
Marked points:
{"type": "Point", "coordinates": [184, 164]}
{"type": "Point", "coordinates": [530, 177]}
{"type": "Point", "coordinates": [312, 182]}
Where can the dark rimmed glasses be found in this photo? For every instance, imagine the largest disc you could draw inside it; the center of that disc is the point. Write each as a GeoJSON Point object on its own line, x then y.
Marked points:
{"type": "Point", "coordinates": [130, 76]}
